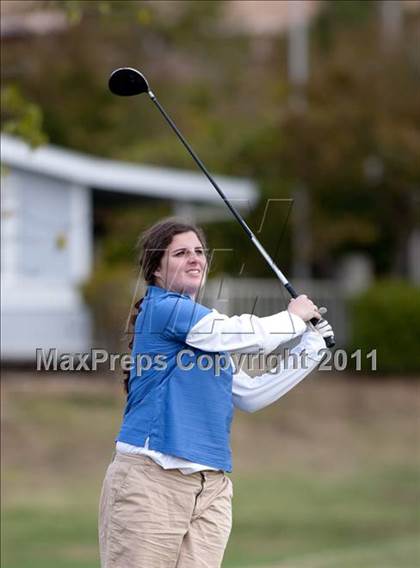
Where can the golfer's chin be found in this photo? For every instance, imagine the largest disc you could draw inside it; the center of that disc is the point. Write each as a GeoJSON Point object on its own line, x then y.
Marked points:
{"type": "Point", "coordinates": [193, 285]}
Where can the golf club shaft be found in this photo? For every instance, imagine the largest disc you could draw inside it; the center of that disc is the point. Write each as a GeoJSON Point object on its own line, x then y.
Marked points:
{"type": "Point", "coordinates": [238, 217]}
{"type": "Point", "coordinates": [330, 340]}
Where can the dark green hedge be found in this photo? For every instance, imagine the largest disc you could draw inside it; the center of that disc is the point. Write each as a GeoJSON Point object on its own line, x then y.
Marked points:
{"type": "Point", "coordinates": [387, 318]}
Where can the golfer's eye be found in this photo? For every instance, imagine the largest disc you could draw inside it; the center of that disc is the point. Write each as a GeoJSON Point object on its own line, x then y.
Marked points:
{"type": "Point", "coordinates": [199, 251]}
{"type": "Point", "coordinates": [180, 253]}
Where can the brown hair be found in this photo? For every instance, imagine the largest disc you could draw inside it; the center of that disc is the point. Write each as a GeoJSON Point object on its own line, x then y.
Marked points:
{"type": "Point", "coordinates": [152, 245]}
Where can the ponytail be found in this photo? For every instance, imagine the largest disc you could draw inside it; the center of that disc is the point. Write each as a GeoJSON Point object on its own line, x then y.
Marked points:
{"type": "Point", "coordinates": [131, 332]}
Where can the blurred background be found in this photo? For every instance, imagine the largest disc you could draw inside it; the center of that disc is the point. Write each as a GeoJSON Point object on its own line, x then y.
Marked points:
{"type": "Point", "coordinates": [308, 114]}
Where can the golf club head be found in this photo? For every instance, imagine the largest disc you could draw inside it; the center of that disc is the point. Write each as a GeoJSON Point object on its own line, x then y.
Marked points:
{"type": "Point", "coordinates": [127, 82]}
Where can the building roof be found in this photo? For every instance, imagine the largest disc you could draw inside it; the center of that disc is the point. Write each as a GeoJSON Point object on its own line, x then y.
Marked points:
{"type": "Point", "coordinates": [124, 177]}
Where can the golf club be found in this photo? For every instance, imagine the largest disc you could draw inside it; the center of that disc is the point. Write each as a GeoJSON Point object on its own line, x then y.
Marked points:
{"type": "Point", "coordinates": [127, 82]}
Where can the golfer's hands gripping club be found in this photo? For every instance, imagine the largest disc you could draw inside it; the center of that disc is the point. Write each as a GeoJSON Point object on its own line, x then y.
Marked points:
{"type": "Point", "coordinates": [303, 307]}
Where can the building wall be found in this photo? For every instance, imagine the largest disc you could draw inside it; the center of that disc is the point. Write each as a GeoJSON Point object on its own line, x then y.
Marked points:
{"type": "Point", "coordinates": [46, 254]}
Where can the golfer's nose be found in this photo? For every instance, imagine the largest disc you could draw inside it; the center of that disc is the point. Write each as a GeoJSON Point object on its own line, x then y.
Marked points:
{"type": "Point", "coordinates": [193, 257]}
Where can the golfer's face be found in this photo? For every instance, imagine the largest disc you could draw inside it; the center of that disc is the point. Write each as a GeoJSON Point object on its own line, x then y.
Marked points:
{"type": "Point", "coordinates": [183, 266]}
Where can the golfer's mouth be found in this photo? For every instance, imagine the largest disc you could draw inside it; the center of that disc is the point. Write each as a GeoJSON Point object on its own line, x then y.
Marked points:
{"type": "Point", "coordinates": [194, 271]}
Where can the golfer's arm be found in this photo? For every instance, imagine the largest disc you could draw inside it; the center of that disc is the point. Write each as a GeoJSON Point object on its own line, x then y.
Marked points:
{"type": "Point", "coordinates": [251, 394]}
{"type": "Point", "coordinates": [244, 334]}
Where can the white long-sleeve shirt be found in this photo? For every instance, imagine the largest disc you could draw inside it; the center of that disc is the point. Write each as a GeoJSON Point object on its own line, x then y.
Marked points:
{"type": "Point", "coordinates": [247, 334]}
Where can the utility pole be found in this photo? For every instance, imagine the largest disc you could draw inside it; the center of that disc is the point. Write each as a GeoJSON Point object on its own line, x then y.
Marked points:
{"type": "Point", "coordinates": [298, 73]}
{"type": "Point", "coordinates": [391, 23]}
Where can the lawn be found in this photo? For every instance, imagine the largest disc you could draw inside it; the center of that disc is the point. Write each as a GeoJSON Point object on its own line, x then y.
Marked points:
{"type": "Point", "coordinates": [327, 477]}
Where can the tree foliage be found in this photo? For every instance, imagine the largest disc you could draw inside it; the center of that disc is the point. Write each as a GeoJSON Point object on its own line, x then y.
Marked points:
{"type": "Point", "coordinates": [22, 117]}
{"type": "Point", "coordinates": [355, 144]}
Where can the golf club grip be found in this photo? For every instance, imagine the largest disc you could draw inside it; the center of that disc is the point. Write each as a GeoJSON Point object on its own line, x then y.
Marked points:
{"type": "Point", "coordinates": [329, 341]}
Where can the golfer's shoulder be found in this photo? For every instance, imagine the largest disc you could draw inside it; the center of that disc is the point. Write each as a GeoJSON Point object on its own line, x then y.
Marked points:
{"type": "Point", "coordinates": [174, 303]}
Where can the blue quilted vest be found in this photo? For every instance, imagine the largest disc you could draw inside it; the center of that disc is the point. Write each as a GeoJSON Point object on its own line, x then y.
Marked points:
{"type": "Point", "coordinates": [180, 398]}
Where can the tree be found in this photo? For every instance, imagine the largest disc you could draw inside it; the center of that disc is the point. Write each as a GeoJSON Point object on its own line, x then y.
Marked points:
{"type": "Point", "coordinates": [356, 145]}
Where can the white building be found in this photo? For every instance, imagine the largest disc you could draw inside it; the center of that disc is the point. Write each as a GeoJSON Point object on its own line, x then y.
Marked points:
{"type": "Point", "coordinates": [47, 235]}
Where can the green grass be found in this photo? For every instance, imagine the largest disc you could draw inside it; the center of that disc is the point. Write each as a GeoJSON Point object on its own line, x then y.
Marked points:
{"type": "Point", "coordinates": [361, 521]}
{"type": "Point", "coordinates": [62, 536]}
{"type": "Point", "coordinates": [303, 520]}
{"type": "Point", "coordinates": [321, 484]}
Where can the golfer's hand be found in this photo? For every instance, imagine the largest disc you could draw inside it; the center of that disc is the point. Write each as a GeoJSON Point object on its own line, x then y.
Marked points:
{"type": "Point", "coordinates": [324, 328]}
{"type": "Point", "coordinates": [303, 307]}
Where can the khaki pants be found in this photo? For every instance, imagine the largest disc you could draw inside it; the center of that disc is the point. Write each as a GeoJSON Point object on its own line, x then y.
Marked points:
{"type": "Point", "coordinates": [155, 518]}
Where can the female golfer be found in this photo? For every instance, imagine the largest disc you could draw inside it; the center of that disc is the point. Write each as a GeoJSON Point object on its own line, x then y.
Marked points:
{"type": "Point", "coordinates": [166, 498]}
